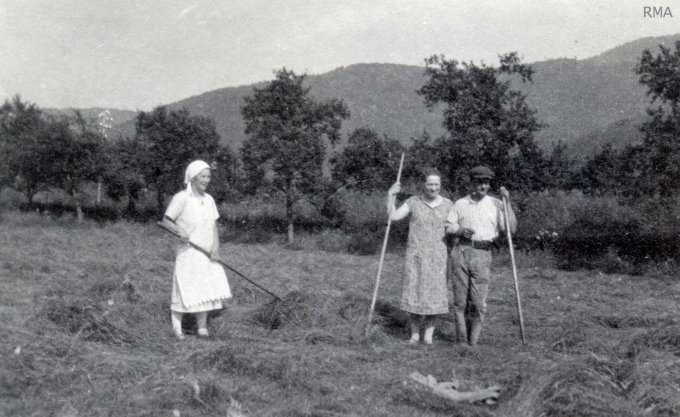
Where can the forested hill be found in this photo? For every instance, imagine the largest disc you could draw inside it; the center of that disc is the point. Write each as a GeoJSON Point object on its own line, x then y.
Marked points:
{"type": "Point", "coordinates": [584, 102]}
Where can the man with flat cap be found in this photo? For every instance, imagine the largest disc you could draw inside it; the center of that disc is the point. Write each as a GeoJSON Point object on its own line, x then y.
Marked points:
{"type": "Point", "coordinates": [475, 221]}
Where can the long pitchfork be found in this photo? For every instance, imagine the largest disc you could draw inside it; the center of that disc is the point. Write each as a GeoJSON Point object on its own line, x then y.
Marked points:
{"type": "Point", "coordinates": [382, 256]}
{"type": "Point", "coordinates": [514, 268]}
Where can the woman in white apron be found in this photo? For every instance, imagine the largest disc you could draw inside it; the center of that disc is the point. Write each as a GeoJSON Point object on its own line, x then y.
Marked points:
{"type": "Point", "coordinates": [199, 284]}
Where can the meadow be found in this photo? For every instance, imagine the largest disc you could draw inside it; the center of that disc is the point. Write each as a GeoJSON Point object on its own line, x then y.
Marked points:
{"type": "Point", "coordinates": [86, 332]}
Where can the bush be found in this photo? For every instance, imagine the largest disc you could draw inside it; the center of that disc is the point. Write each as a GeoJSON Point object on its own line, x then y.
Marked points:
{"type": "Point", "coordinates": [599, 232]}
{"type": "Point", "coordinates": [365, 243]}
{"type": "Point", "coordinates": [544, 216]}
{"type": "Point", "coordinates": [352, 210]}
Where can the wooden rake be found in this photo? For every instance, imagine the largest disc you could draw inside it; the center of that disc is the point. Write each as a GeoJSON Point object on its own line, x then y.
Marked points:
{"type": "Point", "coordinates": [207, 253]}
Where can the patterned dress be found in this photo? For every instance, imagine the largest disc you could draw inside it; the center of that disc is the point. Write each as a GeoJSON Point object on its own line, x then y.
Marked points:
{"type": "Point", "coordinates": [424, 288]}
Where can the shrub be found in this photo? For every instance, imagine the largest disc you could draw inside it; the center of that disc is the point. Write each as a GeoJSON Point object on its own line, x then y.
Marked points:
{"type": "Point", "coordinates": [353, 210]}
{"type": "Point", "coordinates": [601, 232]}
{"type": "Point", "coordinates": [543, 216]}
{"type": "Point", "coordinates": [365, 243]}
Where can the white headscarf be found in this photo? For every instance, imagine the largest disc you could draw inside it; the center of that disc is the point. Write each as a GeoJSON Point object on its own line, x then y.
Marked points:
{"type": "Point", "coordinates": [194, 169]}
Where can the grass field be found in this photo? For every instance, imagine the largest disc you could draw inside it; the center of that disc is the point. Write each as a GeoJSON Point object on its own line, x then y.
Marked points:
{"type": "Point", "coordinates": [86, 332]}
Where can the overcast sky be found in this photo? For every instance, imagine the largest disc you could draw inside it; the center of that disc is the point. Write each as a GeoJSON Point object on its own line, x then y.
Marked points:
{"type": "Point", "coordinates": [136, 54]}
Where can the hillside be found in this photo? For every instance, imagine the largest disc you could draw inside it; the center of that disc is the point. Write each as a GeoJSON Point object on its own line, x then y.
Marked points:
{"type": "Point", "coordinates": [575, 98]}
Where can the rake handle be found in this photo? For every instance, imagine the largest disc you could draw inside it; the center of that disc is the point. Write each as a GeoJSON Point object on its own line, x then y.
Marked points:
{"type": "Point", "coordinates": [206, 253]}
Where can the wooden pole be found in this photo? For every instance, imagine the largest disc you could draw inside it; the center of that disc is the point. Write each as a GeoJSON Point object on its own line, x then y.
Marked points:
{"type": "Point", "coordinates": [382, 256]}
{"type": "Point", "coordinates": [206, 253]}
{"type": "Point", "coordinates": [514, 267]}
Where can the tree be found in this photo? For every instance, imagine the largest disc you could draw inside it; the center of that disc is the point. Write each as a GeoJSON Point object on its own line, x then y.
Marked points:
{"type": "Point", "coordinates": [171, 140]}
{"type": "Point", "coordinates": [487, 121]}
{"type": "Point", "coordinates": [62, 152]}
{"type": "Point", "coordinates": [285, 148]}
{"type": "Point", "coordinates": [77, 155]}
{"type": "Point", "coordinates": [422, 153]}
{"type": "Point", "coordinates": [601, 174]}
{"type": "Point", "coordinates": [559, 170]}
{"type": "Point", "coordinates": [25, 140]}
{"type": "Point", "coordinates": [661, 75]}
{"type": "Point", "coordinates": [124, 176]}
{"type": "Point", "coordinates": [227, 176]}
{"type": "Point", "coordinates": [368, 162]}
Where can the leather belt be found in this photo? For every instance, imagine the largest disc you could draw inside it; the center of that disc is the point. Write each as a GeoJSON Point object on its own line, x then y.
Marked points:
{"type": "Point", "coordinates": [477, 244]}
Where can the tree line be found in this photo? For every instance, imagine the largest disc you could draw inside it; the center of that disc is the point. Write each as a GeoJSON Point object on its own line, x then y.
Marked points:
{"type": "Point", "coordinates": [291, 148]}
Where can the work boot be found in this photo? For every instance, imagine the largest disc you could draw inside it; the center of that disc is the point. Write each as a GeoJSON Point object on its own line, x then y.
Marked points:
{"type": "Point", "coordinates": [475, 330]}
{"type": "Point", "coordinates": [461, 328]}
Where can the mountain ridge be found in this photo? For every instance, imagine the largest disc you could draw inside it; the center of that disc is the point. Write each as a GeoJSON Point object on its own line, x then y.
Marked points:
{"type": "Point", "coordinates": [578, 99]}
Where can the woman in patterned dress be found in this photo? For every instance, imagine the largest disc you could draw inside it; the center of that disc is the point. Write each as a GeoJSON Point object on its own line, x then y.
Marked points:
{"type": "Point", "coordinates": [424, 292]}
{"type": "Point", "coordinates": [199, 284]}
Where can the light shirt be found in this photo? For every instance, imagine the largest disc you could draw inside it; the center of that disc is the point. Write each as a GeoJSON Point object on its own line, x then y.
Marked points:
{"type": "Point", "coordinates": [485, 217]}
{"type": "Point", "coordinates": [196, 214]}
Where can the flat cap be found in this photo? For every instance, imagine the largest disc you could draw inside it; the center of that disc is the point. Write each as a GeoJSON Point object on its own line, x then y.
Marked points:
{"type": "Point", "coordinates": [482, 172]}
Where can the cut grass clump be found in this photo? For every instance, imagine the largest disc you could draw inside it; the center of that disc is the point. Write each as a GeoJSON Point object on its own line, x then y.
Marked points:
{"type": "Point", "coordinates": [265, 365]}
{"type": "Point", "coordinates": [571, 389]}
{"type": "Point", "coordinates": [333, 319]}
{"type": "Point", "coordinates": [88, 321]}
{"type": "Point", "coordinates": [665, 339]}
{"type": "Point", "coordinates": [656, 385]}
{"type": "Point", "coordinates": [300, 309]}
{"type": "Point", "coordinates": [295, 310]}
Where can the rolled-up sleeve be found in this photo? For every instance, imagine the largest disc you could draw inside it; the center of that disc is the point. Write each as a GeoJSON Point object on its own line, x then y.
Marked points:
{"type": "Point", "coordinates": [451, 224]}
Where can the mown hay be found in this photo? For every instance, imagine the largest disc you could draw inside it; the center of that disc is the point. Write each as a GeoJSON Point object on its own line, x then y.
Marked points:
{"type": "Point", "coordinates": [296, 309]}
{"type": "Point", "coordinates": [656, 385]}
{"type": "Point", "coordinates": [262, 364]}
{"type": "Point", "coordinates": [665, 338]}
{"type": "Point", "coordinates": [331, 319]}
{"type": "Point", "coordinates": [300, 309]}
{"type": "Point", "coordinates": [592, 389]}
{"type": "Point", "coordinates": [87, 320]}
{"type": "Point", "coordinates": [622, 322]}
{"type": "Point", "coordinates": [571, 339]}
{"type": "Point", "coordinates": [393, 319]}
